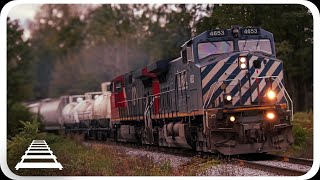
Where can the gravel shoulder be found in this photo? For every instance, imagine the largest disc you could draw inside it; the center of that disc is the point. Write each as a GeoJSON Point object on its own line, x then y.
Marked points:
{"type": "Point", "coordinates": [158, 157]}
{"type": "Point", "coordinates": [202, 168]}
{"type": "Point", "coordinates": [234, 170]}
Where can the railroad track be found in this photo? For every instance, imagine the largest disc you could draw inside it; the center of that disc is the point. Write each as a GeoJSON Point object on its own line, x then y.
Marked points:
{"type": "Point", "coordinates": [270, 168]}
{"type": "Point", "coordinates": [245, 160]}
{"type": "Point", "coordinates": [307, 162]}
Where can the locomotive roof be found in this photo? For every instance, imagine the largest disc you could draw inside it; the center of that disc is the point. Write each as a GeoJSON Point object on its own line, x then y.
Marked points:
{"type": "Point", "coordinates": [233, 33]}
{"type": "Point", "coordinates": [226, 34]}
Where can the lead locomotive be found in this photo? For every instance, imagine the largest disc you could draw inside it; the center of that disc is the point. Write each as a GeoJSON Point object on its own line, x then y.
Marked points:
{"type": "Point", "coordinates": [224, 94]}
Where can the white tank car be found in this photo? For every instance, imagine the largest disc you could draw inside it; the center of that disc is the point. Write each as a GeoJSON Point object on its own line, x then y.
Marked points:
{"type": "Point", "coordinates": [68, 111]}
{"type": "Point", "coordinates": [33, 107]}
{"type": "Point", "coordinates": [102, 106]}
{"type": "Point", "coordinates": [50, 111]}
{"type": "Point", "coordinates": [83, 110]}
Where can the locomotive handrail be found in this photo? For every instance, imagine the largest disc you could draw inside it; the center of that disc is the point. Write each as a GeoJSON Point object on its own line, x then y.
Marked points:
{"type": "Point", "coordinates": [161, 93]}
{"type": "Point", "coordinates": [147, 96]}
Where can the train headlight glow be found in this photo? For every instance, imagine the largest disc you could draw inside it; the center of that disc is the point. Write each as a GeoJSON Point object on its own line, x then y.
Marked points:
{"type": "Point", "coordinates": [271, 94]}
{"type": "Point", "coordinates": [229, 97]}
{"type": "Point", "coordinates": [243, 63]}
{"type": "Point", "coordinates": [243, 59]}
{"type": "Point", "coordinates": [270, 115]}
{"type": "Point", "coordinates": [232, 118]}
{"type": "Point", "coordinates": [243, 66]}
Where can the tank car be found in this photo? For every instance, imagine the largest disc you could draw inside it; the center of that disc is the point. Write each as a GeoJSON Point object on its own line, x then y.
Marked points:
{"type": "Point", "coordinates": [224, 94]}
{"type": "Point", "coordinates": [50, 111]}
{"type": "Point", "coordinates": [69, 112]}
{"type": "Point", "coordinates": [102, 107]}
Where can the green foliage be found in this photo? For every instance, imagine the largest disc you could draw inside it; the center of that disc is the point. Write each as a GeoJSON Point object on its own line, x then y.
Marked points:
{"type": "Point", "coordinates": [303, 135]}
{"type": "Point", "coordinates": [19, 64]}
{"type": "Point", "coordinates": [20, 142]}
{"type": "Point", "coordinates": [16, 114]}
{"type": "Point", "coordinates": [303, 124]}
{"type": "Point", "coordinates": [80, 160]}
{"type": "Point", "coordinates": [300, 135]}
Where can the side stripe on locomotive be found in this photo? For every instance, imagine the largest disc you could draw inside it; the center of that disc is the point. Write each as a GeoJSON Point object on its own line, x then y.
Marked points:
{"type": "Point", "coordinates": [227, 69]}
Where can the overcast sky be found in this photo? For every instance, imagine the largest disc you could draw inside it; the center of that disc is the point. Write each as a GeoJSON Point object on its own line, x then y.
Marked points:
{"type": "Point", "coordinates": [24, 13]}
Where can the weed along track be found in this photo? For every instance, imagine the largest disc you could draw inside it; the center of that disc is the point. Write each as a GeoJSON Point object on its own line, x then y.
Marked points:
{"type": "Point", "coordinates": [214, 164]}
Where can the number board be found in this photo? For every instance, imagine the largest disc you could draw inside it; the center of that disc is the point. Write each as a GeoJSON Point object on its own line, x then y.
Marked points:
{"type": "Point", "coordinates": [216, 33]}
{"type": "Point", "coordinates": [250, 31]}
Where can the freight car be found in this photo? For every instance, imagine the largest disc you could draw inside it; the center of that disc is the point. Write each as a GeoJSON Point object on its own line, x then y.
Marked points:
{"type": "Point", "coordinates": [225, 93]}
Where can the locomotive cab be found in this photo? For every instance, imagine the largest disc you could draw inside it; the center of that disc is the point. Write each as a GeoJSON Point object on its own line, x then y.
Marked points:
{"type": "Point", "coordinates": [209, 45]}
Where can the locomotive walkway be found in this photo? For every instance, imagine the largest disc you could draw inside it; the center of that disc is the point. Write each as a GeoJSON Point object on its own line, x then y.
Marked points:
{"type": "Point", "coordinates": [39, 151]}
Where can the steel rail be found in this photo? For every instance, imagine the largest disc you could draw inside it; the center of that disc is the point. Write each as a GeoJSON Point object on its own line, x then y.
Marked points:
{"type": "Point", "coordinates": [269, 168]}
{"type": "Point", "coordinates": [301, 161]}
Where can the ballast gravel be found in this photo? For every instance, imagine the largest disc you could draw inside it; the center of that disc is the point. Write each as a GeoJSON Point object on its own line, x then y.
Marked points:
{"type": "Point", "coordinates": [157, 157]}
{"type": "Point", "coordinates": [214, 170]}
{"type": "Point", "coordinates": [234, 170]}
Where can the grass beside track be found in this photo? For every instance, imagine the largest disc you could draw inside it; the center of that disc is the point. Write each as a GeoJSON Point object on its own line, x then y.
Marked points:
{"type": "Point", "coordinates": [303, 136]}
{"type": "Point", "coordinates": [80, 160]}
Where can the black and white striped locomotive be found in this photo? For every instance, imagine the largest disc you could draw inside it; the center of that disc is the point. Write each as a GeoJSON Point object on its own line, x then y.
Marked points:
{"type": "Point", "coordinates": [224, 94]}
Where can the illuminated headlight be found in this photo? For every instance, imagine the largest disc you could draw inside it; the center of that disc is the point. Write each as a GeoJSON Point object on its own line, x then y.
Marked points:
{"type": "Point", "coordinates": [243, 63]}
{"type": "Point", "coordinates": [243, 59]}
{"type": "Point", "coordinates": [270, 115]}
{"type": "Point", "coordinates": [243, 66]}
{"type": "Point", "coordinates": [271, 94]}
{"type": "Point", "coordinates": [228, 97]}
{"type": "Point", "coordinates": [232, 118]}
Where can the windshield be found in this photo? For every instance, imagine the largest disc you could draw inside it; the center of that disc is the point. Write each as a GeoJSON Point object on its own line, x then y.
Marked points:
{"type": "Point", "coordinates": [209, 48]}
{"type": "Point", "coordinates": [255, 45]}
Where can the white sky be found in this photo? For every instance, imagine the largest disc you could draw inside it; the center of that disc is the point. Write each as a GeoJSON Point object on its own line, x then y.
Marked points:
{"type": "Point", "coordinates": [24, 13]}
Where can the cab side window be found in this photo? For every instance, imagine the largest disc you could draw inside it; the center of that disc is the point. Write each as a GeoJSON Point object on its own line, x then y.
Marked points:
{"type": "Point", "coordinates": [118, 86]}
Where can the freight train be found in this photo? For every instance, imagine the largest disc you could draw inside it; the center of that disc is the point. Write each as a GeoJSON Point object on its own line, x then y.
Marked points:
{"type": "Point", "coordinates": [225, 94]}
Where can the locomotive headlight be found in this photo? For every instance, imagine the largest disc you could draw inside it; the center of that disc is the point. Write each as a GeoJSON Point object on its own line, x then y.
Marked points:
{"type": "Point", "coordinates": [243, 63]}
{"type": "Point", "coordinates": [232, 118]}
{"type": "Point", "coordinates": [243, 59]}
{"type": "Point", "coordinates": [271, 115]}
{"type": "Point", "coordinates": [271, 94]}
{"type": "Point", "coordinates": [243, 66]}
{"type": "Point", "coordinates": [228, 97]}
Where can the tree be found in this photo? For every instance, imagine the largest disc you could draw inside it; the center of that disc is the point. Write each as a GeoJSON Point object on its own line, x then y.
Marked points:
{"type": "Point", "coordinates": [19, 64]}
{"type": "Point", "coordinates": [19, 77]}
{"type": "Point", "coordinates": [56, 32]}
